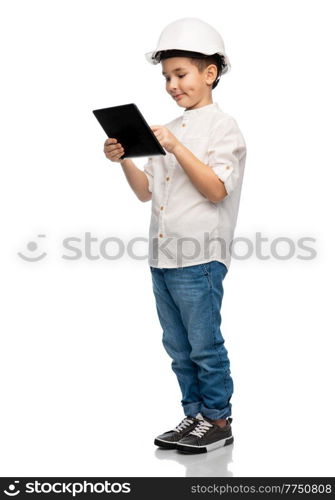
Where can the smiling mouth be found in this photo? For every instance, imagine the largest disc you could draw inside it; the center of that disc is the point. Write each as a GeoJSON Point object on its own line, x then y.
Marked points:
{"type": "Point", "coordinates": [179, 95]}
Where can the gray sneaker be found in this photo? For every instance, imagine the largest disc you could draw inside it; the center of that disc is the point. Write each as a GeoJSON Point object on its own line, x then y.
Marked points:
{"type": "Point", "coordinates": [206, 437]}
{"type": "Point", "coordinates": [170, 439]}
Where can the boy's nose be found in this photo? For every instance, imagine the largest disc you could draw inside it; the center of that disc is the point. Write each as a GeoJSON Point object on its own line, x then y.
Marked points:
{"type": "Point", "coordinates": [172, 83]}
{"type": "Point", "coordinates": [172, 87]}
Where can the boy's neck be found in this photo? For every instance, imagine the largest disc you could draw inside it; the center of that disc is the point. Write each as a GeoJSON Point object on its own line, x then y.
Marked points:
{"type": "Point", "coordinates": [201, 104]}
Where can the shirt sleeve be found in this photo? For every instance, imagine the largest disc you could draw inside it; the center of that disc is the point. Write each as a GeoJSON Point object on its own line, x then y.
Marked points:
{"type": "Point", "coordinates": [148, 170]}
{"type": "Point", "coordinates": [227, 149]}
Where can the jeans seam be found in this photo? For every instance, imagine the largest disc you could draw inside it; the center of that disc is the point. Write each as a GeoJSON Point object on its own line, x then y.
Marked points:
{"type": "Point", "coordinates": [213, 336]}
{"type": "Point", "coordinates": [206, 272]}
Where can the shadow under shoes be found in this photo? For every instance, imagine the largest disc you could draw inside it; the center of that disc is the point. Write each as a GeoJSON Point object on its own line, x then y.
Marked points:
{"type": "Point", "coordinates": [206, 436]}
{"type": "Point", "coordinates": [170, 438]}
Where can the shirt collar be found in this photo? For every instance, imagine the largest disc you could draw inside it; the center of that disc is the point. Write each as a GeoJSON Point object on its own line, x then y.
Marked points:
{"type": "Point", "coordinates": [199, 111]}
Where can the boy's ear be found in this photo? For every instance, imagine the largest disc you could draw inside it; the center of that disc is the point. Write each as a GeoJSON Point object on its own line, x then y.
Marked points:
{"type": "Point", "coordinates": [212, 71]}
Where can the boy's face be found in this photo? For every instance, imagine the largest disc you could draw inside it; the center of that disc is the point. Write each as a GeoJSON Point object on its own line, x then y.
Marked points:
{"type": "Point", "coordinates": [184, 79]}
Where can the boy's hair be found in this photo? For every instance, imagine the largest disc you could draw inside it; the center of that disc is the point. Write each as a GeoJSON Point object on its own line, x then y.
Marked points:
{"type": "Point", "coordinates": [201, 61]}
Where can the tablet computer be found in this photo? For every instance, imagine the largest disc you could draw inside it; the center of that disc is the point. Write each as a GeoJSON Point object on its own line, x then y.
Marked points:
{"type": "Point", "coordinates": [127, 124]}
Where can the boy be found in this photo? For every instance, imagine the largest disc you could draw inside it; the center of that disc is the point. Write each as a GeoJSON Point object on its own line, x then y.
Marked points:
{"type": "Point", "coordinates": [195, 191]}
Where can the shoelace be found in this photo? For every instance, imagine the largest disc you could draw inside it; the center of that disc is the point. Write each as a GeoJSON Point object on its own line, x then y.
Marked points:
{"type": "Point", "coordinates": [201, 428]}
{"type": "Point", "coordinates": [183, 424]}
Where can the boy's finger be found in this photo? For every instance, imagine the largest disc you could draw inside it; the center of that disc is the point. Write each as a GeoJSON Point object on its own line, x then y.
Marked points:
{"type": "Point", "coordinates": [111, 147]}
{"type": "Point", "coordinates": [110, 140]}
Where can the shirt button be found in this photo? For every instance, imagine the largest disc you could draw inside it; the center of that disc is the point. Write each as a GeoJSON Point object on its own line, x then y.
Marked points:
{"type": "Point", "coordinates": [160, 235]}
{"type": "Point", "coordinates": [168, 178]}
{"type": "Point", "coordinates": [183, 124]}
{"type": "Point", "coordinates": [227, 167]}
{"type": "Point", "coordinates": [162, 208]}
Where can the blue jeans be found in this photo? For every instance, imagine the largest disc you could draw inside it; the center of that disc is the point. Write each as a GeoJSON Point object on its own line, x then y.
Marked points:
{"type": "Point", "coordinates": [188, 303]}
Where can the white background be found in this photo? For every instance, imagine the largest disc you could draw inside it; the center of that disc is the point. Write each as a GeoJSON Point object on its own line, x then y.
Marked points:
{"type": "Point", "coordinates": [85, 382]}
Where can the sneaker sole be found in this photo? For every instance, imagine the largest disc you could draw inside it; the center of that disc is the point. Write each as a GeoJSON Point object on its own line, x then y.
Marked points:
{"type": "Point", "coordinates": [190, 448]}
{"type": "Point", "coordinates": [169, 445]}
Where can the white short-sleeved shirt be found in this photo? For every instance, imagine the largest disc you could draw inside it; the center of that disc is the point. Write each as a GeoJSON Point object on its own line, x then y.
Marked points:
{"type": "Point", "coordinates": [186, 228]}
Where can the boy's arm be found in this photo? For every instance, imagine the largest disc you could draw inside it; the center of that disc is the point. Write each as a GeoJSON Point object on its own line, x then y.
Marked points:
{"type": "Point", "coordinates": [226, 149]}
{"type": "Point", "coordinates": [202, 176]}
{"type": "Point", "coordinates": [137, 179]}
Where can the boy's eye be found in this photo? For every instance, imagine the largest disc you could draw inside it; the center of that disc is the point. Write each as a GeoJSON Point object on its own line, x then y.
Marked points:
{"type": "Point", "coordinates": [180, 76]}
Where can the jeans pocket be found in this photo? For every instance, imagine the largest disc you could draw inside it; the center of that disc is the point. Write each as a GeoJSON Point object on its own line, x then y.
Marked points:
{"type": "Point", "coordinates": [223, 267]}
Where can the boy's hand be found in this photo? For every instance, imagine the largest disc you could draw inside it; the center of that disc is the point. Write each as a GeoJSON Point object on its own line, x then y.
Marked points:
{"type": "Point", "coordinates": [166, 138]}
{"type": "Point", "coordinates": [113, 150]}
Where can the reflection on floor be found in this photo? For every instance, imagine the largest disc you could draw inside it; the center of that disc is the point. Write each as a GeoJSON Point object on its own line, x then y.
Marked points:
{"type": "Point", "coordinates": [212, 464]}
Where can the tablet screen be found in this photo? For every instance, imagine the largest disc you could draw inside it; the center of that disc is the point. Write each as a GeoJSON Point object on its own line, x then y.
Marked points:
{"type": "Point", "coordinates": [127, 124]}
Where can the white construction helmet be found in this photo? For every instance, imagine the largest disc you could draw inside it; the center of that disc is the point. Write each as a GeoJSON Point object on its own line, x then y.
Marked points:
{"type": "Point", "coordinates": [190, 37]}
